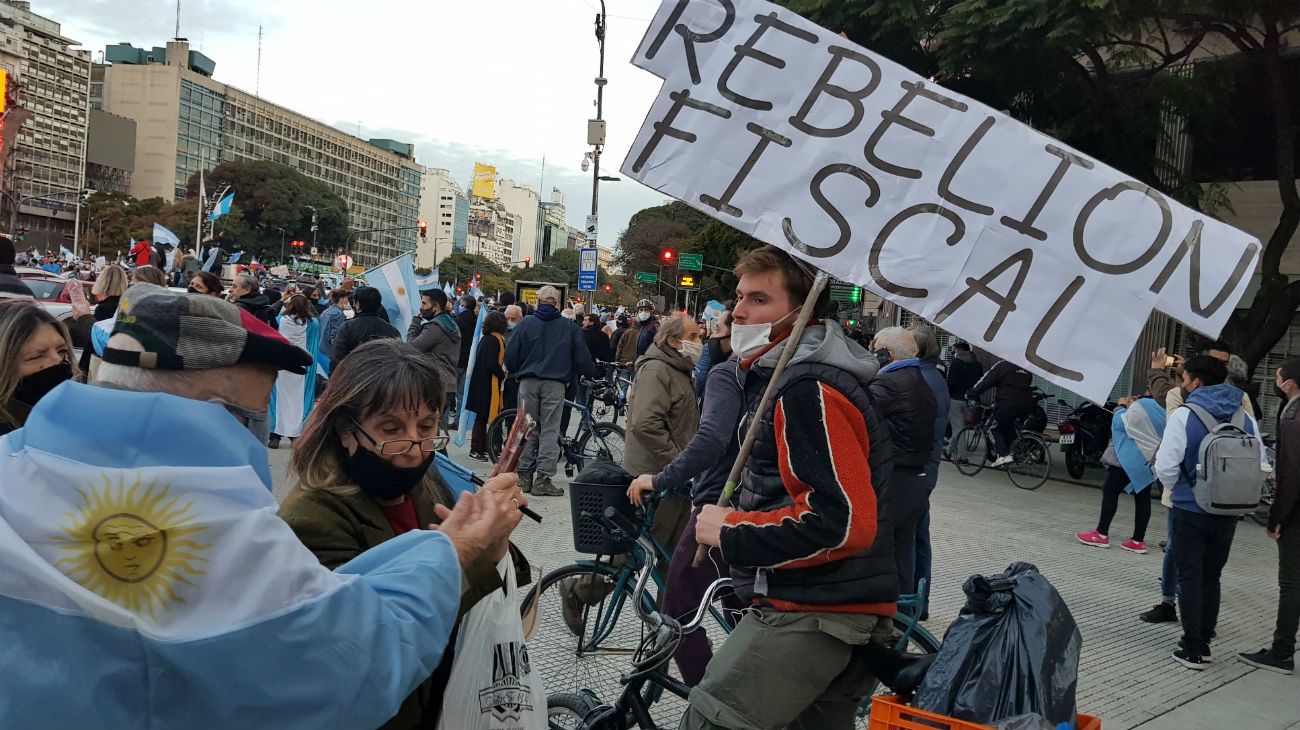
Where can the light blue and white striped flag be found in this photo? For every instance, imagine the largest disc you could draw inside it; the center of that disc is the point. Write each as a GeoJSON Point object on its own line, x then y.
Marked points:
{"type": "Point", "coordinates": [162, 235]}
{"type": "Point", "coordinates": [222, 207]}
{"type": "Point", "coordinates": [395, 280]}
{"type": "Point", "coordinates": [467, 417]}
{"type": "Point", "coordinates": [429, 282]}
{"type": "Point", "coordinates": [143, 574]}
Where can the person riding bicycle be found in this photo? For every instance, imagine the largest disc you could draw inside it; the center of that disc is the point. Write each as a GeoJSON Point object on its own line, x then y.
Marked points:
{"type": "Point", "coordinates": [810, 544]}
{"type": "Point", "coordinates": [1013, 401]}
{"type": "Point", "coordinates": [638, 339]}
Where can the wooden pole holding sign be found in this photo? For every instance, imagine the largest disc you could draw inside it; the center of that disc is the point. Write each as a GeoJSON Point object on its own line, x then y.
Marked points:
{"type": "Point", "coordinates": [769, 395]}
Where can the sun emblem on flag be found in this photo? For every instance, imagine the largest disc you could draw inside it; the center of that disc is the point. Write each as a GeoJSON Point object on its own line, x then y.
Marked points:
{"type": "Point", "coordinates": [132, 544]}
{"type": "Point", "coordinates": [401, 291]}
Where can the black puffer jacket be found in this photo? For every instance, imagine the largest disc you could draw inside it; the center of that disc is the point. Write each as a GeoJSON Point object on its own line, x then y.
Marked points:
{"type": "Point", "coordinates": [1015, 385]}
{"type": "Point", "coordinates": [905, 402]}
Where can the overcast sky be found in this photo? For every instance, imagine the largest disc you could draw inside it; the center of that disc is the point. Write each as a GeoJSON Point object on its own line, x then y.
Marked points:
{"type": "Point", "coordinates": [504, 82]}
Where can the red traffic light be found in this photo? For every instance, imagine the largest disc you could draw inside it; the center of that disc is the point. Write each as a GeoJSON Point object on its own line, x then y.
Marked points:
{"type": "Point", "coordinates": [477, 276]}
{"type": "Point", "coordinates": [608, 288]}
{"type": "Point", "coordinates": [667, 255]}
{"type": "Point", "coordinates": [528, 262]}
{"type": "Point", "coordinates": [424, 229]}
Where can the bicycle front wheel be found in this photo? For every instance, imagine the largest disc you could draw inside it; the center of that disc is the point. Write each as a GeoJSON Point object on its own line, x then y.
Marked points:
{"type": "Point", "coordinates": [497, 432]}
{"type": "Point", "coordinates": [1031, 464]}
{"type": "Point", "coordinates": [605, 442]}
{"type": "Point", "coordinates": [970, 451]}
{"type": "Point", "coordinates": [581, 628]}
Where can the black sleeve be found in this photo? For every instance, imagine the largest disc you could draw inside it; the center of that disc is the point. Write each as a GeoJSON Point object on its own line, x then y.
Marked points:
{"type": "Point", "coordinates": [1286, 472]}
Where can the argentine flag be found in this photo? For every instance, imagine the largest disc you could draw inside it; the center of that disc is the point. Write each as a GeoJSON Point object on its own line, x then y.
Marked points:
{"type": "Point", "coordinates": [146, 586]}
{"type": "Point", "coordinates": [395, 280]}
{"type": "Point", "coordinates": [162, 235]}
{"type": "Point", "coordinates": [222, 207]}
{"type": "Point", "coordinates": [467, 417]}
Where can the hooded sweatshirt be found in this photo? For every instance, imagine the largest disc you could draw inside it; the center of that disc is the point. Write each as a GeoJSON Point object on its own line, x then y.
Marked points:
{"type": "Point", "coordinates": [963, 373]}
{"type": "Point", "coordinates": [1180, 448]}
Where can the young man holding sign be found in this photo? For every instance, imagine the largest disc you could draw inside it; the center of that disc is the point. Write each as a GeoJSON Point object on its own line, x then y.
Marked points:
{"type": "Point", "coordinates": [810, 543]}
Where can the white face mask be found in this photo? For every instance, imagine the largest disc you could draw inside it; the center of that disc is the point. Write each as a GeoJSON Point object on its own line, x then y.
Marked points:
{"type": "Point", "coordinates": [512, 325]}
{"type": "Point", "coordinates": [692, 351]}
{"type": "Point", "coordinates": [748, 339]}
{"type": "Point", "coordinates": [349, 314]}
{"type": "Point", "coordinates": [643, 316]}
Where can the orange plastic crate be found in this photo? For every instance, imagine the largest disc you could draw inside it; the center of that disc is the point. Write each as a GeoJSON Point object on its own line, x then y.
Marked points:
{"type": "Point", "coordinates": [889, 713]}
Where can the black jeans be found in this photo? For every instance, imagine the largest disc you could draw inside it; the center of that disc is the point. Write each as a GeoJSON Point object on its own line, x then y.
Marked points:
{"type": "Point", "coordinates": [1288, 583]}
{"type": "Point", "coordinates": [1116, 480]}
{"type": "Point", "coordinates": [909, 497]}
{"type": "Point", "coordinates": [1004, 430]}
{"type": "Point", "coordinates": [1204, 542]}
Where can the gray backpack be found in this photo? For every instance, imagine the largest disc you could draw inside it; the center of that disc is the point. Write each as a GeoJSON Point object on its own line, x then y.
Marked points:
{"type": "Point", "coordinates": [1228, 479]}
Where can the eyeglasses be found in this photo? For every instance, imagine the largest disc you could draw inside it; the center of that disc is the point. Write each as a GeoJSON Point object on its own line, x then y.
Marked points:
{"type": "Point", "coordinates": [402, 446]}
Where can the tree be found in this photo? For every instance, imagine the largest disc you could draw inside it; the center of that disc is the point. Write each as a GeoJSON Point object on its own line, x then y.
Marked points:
{"type": "Point", "coordinates": [269, 197]}
{"type": "Point", "coordinates": [459, 268]}
{"type": "Point", "coordinates": [653, 229]}
{"type": "Point", "coordinates": [1094, 74]}
{"type": "Point", "coordinates": [721, 245]}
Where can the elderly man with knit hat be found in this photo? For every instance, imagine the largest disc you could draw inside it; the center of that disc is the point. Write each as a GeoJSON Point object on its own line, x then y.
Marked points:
{"type": "Point", "coordinates": [544, 352]}
{"type": "Point", "coordinates": [145, 563]}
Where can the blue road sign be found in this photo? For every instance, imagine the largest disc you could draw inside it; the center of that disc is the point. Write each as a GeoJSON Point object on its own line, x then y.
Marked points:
{"type": "Point", "coordinates": [588, 264]}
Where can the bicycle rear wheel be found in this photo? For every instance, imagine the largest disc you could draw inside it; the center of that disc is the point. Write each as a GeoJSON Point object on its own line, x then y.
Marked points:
{"type": "Point", "coordinates": [582, 629]}
{"type": "Point", "coordinates": [605, 442]}
{"type": "Point", "coordinates": [1031, 464]}
{"type": "Point", "coordinates": [911, 638]}
{"type": "Point", "coordinates": [497, 432]}
{"type": "Point", "coordinates": [569, 710]}
{"type": "Point", "coordinates": [971, 451]}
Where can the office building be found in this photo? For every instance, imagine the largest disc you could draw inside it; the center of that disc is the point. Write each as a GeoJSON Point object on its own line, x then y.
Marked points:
{"type": "Point", "coordinates": [110, 153]}
{"type": "Point", "coordinates": [524, 202]}
{"type": "Point", "coordinates": [187, 122]}
{"type": "Point", "coordinates": [445, 208]}
{"type": "Point", "coordinates": [44, 161]}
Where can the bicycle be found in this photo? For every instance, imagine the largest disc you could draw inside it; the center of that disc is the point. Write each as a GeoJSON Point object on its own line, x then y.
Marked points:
{"type": "Point", "coordinates": [1031, 462]}
{"type": "Point", "coordinates": [649, 680]}
{"type": "Point", "coordinates": [584, 602]}
{"type": "Point", "coordinates": [607, 397]}
{"type": "Point", "coordinates": [593, 441]}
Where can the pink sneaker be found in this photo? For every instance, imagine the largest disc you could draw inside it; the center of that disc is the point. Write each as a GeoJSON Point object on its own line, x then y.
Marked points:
{"type": "Point", "coordinates": [1134, 546]}
{"type": "Point", "coordinates": [1093, 538]}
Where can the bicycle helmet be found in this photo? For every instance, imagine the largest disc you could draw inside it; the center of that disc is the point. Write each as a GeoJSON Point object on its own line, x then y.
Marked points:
{"type": "Point", "coordinates": [645, 304]}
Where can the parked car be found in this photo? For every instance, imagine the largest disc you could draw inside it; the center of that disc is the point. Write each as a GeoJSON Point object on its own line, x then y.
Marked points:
{"type": "Point", "coordinates": [51, 288]}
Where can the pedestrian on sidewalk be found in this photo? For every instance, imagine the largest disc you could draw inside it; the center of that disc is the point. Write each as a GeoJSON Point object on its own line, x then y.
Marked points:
{"type": "Point", "coordinates": [1136, 430]}
{"type": "Point", "coordinates": [367, 325]}
{"type": "Point", "coordinates": [544, 352]}
{"type": "Point", "coordinates": [1284, 526]}
{"type": "Point", "coordinates": [927, 345]}
{"type": "Point", "coordinates": [904, 402]}
{"type": "Point", "coordinates": [486, 381]}
{"type": "Point", "coordinates": [663, 415]}
{"type": "Point", "coordinates": [1203, 540]}
{"type": "Point", "coordinates": [435, 332]}
{"type": "Point", "coordinates": [1163, 381]}
{"type": "Point", "coordinates": [964, 371]}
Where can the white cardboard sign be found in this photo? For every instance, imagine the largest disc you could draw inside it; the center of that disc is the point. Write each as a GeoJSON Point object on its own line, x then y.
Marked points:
{"type": "Point", "coordinates": [992, 230]}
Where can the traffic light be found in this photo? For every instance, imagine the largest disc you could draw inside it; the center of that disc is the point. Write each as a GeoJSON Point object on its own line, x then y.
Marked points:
{"type": "Point", "coordinates": [668, 256]}
{"type": "Point", "coordinates": [856, 296]}
{"type": "Point", "coordinates": [424, 229]}
{"type": "Point", "coordinates": [478, 276]}
{"type": "Point", "coordinates": [297, 245]}
{"type": "Point", "coordinates": [608, 288]}
{"type": "Point", "coordinates": [528, 262]}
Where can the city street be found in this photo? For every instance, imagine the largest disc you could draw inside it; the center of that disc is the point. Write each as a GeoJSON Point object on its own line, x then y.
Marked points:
{"type": "Point", "coordinates": [982, 524]}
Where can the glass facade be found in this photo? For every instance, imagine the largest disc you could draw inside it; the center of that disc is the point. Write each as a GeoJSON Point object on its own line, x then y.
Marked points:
{"type": "Point", "coordinates": [199, 132]}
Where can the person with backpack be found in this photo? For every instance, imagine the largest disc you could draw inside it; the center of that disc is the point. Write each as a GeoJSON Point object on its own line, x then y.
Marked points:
{"type": "Point", "coordinates": [1212, 460]}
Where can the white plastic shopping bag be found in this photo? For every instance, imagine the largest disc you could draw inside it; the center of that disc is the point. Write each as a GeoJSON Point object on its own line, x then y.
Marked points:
{"type": "Point", "coordinates": [494, 685]}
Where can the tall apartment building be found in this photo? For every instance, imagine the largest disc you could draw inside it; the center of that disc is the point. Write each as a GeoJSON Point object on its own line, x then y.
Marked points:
{"type": "Point", "coordinates": [493, 230]}
{"type": "Point", "coordinates": [43, 164]}
{"type": "Point", "coordinates": [524, 202]}
{"type": "Point", "coordinates": [187, 122]}
{"type": "Point", "coordinates": [445, 207]}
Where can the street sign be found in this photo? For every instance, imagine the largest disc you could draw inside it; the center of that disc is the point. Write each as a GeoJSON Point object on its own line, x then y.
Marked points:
{"type": "Point", "coordinates": [647, 277]}
{"type": "Point", "coordinates": [315, 251]}
{"type": "Point", "coordinates": [691, 261]}
{"type": "Point", "coordinates": [588, 265]}
{"type": "Point", "coordinates": [591, 228]}
{"type": "Point", "coordinates": [688, 281]}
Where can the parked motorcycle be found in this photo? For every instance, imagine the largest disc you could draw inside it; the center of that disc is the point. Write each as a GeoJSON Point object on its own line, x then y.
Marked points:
{"type": "Point", "coordinates": [1085, 434]}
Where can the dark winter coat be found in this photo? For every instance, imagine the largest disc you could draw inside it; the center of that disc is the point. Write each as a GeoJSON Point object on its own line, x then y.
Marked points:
{"type": "Point", "coordinates": [964, 372]}
{"type": "Point", "coordinates": [662, 413]}
{"type": "Point", "coordinates": [1014, 386]}
{"type": "Point", "coordinates": [257, 305]}
{"type": "Point", "coordinates": [598, 345]}
{"type": "Point", "coordinates": [465, 321]}
{"type": "Point", "coordinates": [439, 338]}
{"type": "Point", "coordinates": [487, 378]}
{"type": "Point", "coordinates": [358, 331]}
{"type": "Point", "coordinates": [905, 403]}
{"type": "Point", "coordinates": [547, 346]}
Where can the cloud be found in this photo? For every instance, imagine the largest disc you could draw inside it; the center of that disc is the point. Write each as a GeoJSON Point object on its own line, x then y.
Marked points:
{"type": "Point", "coordinates": [145, 22]}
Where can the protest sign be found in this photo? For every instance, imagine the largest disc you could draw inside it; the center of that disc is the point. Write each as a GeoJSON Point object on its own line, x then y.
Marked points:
{"type": "Point", "coordinates": [955, 211]}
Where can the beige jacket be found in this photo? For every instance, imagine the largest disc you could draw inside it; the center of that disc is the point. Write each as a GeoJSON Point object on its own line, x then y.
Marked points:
{"type": "Point", "coordinates": [662, 413]}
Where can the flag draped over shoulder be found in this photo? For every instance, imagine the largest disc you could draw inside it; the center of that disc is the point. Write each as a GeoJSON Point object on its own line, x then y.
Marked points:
{"type": "Point", "coordinates": [395, 280]}
{"type": "Point", "coordinates": [146, 586]}
{"type": "Point", "coordinates": [467, 417]}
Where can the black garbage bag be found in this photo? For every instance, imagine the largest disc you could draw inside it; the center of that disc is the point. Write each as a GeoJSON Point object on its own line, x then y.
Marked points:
{"type": "Point", "coordinates": [1013, 650]}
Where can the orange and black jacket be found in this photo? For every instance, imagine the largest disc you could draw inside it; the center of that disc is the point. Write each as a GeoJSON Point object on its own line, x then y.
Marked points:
{"type": "Point", "coordinates": [812, 530]}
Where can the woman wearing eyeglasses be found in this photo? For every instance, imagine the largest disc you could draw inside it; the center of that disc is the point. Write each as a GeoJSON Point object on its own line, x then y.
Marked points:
{"type": "Point", "coordinates": [363, 477]}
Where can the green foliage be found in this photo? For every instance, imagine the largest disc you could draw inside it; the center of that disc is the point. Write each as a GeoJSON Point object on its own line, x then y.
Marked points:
{"type": "Point", "coordinates": [459, 268]}
{"type": "Point", "coordinates": [270, 196]}
{"type": "Point", "coordinates": [721, 246]}
{"type": "Point", "coordinates": [653, 229]}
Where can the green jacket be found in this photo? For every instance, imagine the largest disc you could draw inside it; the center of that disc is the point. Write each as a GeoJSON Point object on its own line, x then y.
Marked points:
{"type": "Point", "coordinates": [662, 413]}
{"type": "Point", "coordinates": [338, 528]}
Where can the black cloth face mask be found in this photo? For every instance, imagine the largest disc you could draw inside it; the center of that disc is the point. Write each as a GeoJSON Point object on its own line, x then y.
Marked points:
{"type": "Point", "coordinates": [34, 387]}
{"type": "Point", "coordinates": [380, 479]}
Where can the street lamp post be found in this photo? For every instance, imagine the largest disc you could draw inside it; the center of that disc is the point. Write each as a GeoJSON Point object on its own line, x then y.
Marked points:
{"type": "Point", "coordinates": [282, 234]}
